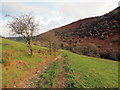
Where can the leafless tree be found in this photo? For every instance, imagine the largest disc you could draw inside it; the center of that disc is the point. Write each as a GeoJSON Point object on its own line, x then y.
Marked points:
{"type": "Point", "coordinates": [52, 40]}
{"type": "Point", "coordinates": [24, 25]}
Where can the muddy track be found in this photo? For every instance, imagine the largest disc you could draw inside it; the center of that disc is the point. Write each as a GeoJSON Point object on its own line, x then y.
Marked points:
{"type": "Point", "coordinates": [62, 80]}
{"type": "Point", "coordinates": [62, 77]}
{"type": "Point", "coordinates": [26, 83]}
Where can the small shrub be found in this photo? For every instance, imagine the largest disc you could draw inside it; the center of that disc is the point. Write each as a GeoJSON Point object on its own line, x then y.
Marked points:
{"type": "Point", "coordinates": [109, 54]}
{"type": "Point", "coordinates": [6, 55]}
{"type": "Point", "coordinates": [78, 50]}
{"type": "Point", "coordinates": [42, 51]}
{"type": "Point", "coordinates": [91, 50]}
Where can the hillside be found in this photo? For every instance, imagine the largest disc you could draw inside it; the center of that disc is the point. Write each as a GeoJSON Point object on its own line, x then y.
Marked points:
{"type": "Point", "coordinates": [103, 31]}
{"type": "Point", "coordinates": [70, 70]}
{"type": "Point", "coordinates": [18, 38]}
{"type": "Point", "coordinates": [89, 72]}
{"type": "Point", "coordinates": [18, 64]}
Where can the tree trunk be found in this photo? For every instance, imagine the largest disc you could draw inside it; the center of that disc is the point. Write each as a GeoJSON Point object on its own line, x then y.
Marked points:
{"type": "Point", "coordinates": [30, 46]}
{"type": "Point", "coordinates": [31, 51]}
{"type": "Point", "coordinates": [50, 48]}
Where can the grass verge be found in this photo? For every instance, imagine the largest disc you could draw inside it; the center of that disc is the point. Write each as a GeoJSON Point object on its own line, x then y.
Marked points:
{"type": "Point", "coordinates": [89, 72]}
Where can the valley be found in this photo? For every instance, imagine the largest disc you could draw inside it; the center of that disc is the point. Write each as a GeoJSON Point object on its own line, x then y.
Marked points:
{"type": "Point", "coordinates": [80, 55]}
{"type": "Point", "coordinates": [64, 70]}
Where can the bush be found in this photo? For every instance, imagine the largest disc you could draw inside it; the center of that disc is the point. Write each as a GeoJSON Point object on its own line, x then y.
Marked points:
{"type": "Point", "coordinates": [90, 50]}
{"type": "Point", "coordinates": [109, 54]}
{"type": "Point", "coordinates": [6, 57]}
{"type": "Point", "coordinates": [78, 49]}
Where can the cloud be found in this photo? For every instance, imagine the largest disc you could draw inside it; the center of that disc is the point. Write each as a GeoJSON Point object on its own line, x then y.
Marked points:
{"type": "Point", "coordinates": [59, 0]}
{"type": "Point", "coordinates": [86, 9]}
{"type": "Point", "coordinates": [41, 13]}
{"type": "Point", "coordinates": [107, 7]}
{"type": "Point", "coordinates": [19, 8]}
{"type": "Point", "coordinates": [4, 31]}
{"type": "Point", "coordinates": [55, 14]}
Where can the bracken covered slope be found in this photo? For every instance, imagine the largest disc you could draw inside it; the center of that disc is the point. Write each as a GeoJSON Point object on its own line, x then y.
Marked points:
{"type": "Point", "coordinates": [103, 31]}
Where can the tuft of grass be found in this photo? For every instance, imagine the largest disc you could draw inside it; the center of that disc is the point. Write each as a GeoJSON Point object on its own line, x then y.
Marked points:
{"type": "Point", "coordinates": [89, 72]}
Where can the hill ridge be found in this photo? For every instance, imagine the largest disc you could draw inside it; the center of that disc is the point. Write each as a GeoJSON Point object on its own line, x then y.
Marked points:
{"type": "Point", "coordinates": [102, 31]}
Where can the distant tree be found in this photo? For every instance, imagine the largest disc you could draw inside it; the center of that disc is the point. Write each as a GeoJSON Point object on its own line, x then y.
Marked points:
{"type": "Point", "coordinates": [26, 26]}
{"type": "Point", "coordinates": [52, 40]}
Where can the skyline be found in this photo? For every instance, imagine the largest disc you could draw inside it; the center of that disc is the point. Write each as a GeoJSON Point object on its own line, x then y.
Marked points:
{"type": "Point", "coordinates": [53, 14]}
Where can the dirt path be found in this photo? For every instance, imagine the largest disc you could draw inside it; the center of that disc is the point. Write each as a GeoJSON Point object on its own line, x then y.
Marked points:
{"type": "Point", "coordinates": [62, 77]}
{"type": "Point", "coordinates": [26, 83]}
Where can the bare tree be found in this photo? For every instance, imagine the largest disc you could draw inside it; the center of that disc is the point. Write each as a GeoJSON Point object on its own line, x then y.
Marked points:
{"type": "Point", "coordinates": [26, 26]}
{"type": "Point", "coordinates": [52, 40]}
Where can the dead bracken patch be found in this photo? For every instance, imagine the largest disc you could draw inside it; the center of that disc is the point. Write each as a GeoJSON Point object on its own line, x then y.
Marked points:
{"type": "Point", "coordinates": [16, 63]}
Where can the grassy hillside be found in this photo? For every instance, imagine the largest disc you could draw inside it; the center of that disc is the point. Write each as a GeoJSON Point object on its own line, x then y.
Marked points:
{"type": "Point", "coordinates": [89, 72]}
{"type": "Point", "coordinates": [17, 63]}
{"type": "Point", "coordinates": [81, 71]}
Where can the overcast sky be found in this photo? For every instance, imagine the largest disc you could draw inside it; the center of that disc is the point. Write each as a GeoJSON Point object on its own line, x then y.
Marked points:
{"type": "Point", "coordinates": [53, 13]}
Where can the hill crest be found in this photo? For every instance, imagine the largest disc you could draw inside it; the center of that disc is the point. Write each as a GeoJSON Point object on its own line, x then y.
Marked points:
{"type": "Point", "coordinates": [101, 31]}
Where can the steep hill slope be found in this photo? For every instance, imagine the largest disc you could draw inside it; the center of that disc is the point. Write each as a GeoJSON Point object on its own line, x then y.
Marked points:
{"type": "Point", "coordinates": [103, 31]}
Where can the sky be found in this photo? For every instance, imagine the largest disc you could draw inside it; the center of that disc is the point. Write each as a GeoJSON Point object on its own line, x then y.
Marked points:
{"type": "Point", "coordinates": [53, 13]}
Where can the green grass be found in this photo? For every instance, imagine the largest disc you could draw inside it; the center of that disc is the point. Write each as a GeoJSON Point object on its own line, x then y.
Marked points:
{"type": "Point", "coordinates": [89, 72]}
{"type": "Point", "coordinates": [16, 60]}
{"type": "Point", "coordinates": [49, 78]}
{"type": "Point", "coordinates": [10, 45]}
{"type": "Point", "coordinates": [82, 71]}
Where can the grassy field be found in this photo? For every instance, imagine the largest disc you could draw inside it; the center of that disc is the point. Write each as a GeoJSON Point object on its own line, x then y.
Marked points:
{"type": "Point", "coordinates": [16, 61]}
{"type": "Point", "coordinates": [82, 71]}
{"type": "Point", "coordinates": [89, 72]}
